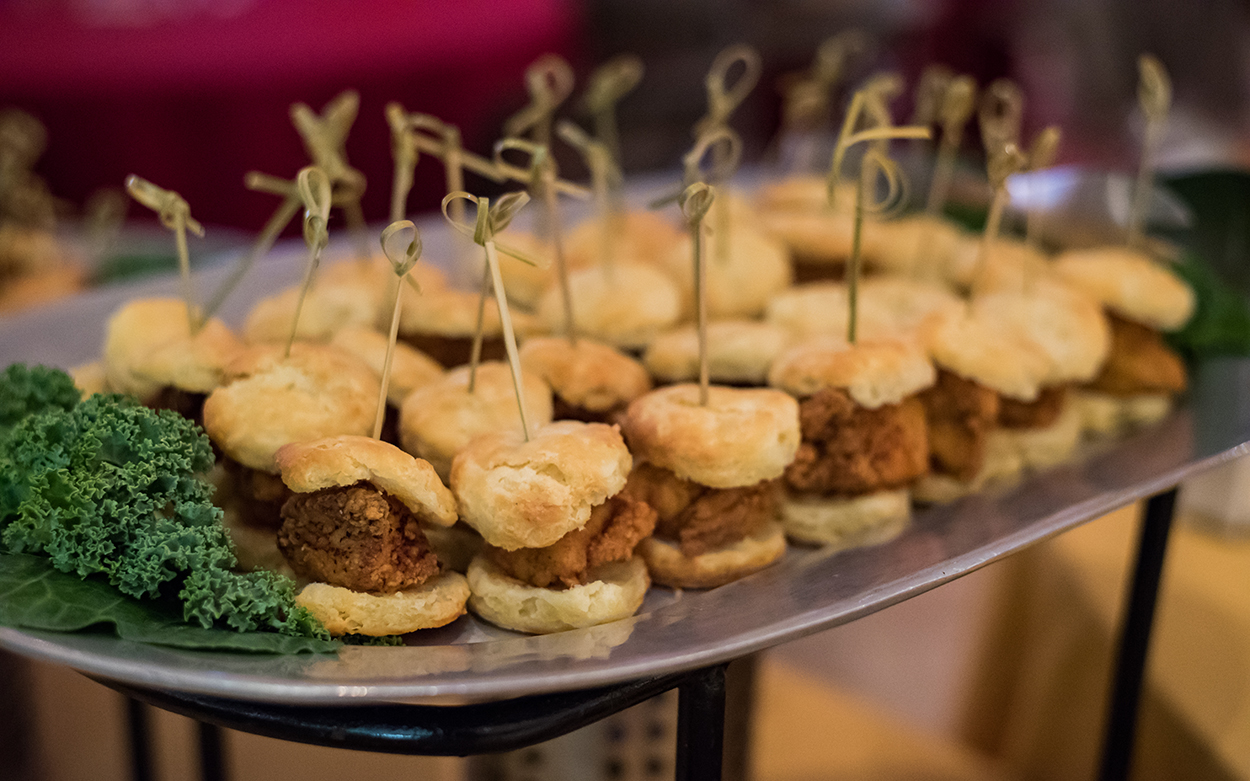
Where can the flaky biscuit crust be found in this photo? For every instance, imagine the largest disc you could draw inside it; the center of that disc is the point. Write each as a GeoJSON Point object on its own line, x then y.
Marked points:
{"type": "Point", "coordinates": [436, 421]}
{"type": "Point", "coordinates": [587, 374]}
{"type": "Point", "coordinates": [741, 278]}
{"type": "Point", "coordinates": [328, 306]}
{"type": "Point", "coordinates": [742, 436]}
{"type": "Point", "coordinates": [872, 372]}
{"type": "Point", "coordinates": [1069, 327]}
{"type": "Point", "coordinates": [625, 306]}
{"type": "Point", "coordinates": [839, 523]}
{"type": "Point", "coordinates": [520, 494]}
{"type": "Point", "coordinates": [616, 591]}
{"type": "Point", "coordinates": [410, 368]}
{"type": "Point", "coordinates": [148, 346]}
{"type": "Point", "coordinates": [333, 462]}
{"type": "Point", "coordinates": [435, 603]}
{"type": "Point", "coordinates": [670, 567]}
{"type": "Point", "coordinates": [269, 401]}
{"type": "Point", "coordinates": [738, 351]}
{"type": "Point", "coordinates": [981, 349]}
{"type": "Point", "coordinates": [1129, 283]}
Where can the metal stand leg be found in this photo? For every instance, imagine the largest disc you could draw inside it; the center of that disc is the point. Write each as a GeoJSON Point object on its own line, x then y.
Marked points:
{"type": "Point", "coordinates": [140, 742]}
{"type": "Point", "coordinates": [701, 725]}
{"type": "Point", "coordinates": [212, 753]}
{"type": "Point", "coordinates": [1135, 637]}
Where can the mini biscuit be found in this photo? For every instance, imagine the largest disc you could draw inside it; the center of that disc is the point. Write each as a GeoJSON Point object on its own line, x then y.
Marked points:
{"type": "Point", "coordinates": [980, 349]}
{"type": "Point", "coordinates": [269, 401]}
{"type": "Point", "coordinates": [586, 374]}
{"type": "Point", "coordinates": [637, 236]}
{"type": "Point", "coordinates": [410, 368]}
{"type": "Point", "coordinates": [812, 237]}
{"type": "Point", "coordinates": [670, 567]}
{"type": "Point", "coordinates": [918, 246]}
{"type": "Point", "coordinates": [1042, 448]}
{"type": "Point", "coordinates": [616, 591]}
{"type": "Point", "coordinates": [888, 307]}
{"type": "Point", "coordinates": [1069, 328]}
{"type": "Point", "coordinates": [448, 312]}
{"type": "Point", "coordinates": [435, 603]}
{"type": "Point", "coordinates": [148, 346]}
{"type": "Point", "coordinates": [741, 437]}
{"type": "Point", "coordinates": [802, 193]}
{"type": "Point", "coordinates": [741, 278]}
{"type": "Point", "coordinates": [1013, 264]}
{"type": "Point", "coordinates": [333, 462]}
{"type": "Point", "coordinates": [625, 305]}
{"type": "Point", "coordinates": [344, 294]}
{"type": "Point", "coordinates": [1003, 465]}
{"type": "Point", "coordinates": [840, 523]}
{"type": "Point", "coordinates": [436, 421]}
{"type": "Point", "coordinates": [90, 378]}
{"type": "Point", "coordinates": [528, 494]}
{"type": "Point", "coordinates": [524, 282]}
{"type": "Point", "coordinates": [1104, 414]}
{"type": "Point", "coordinates": [1129, 283]}
{"type": "Point", "coordinates": [873, 373]}
{"type": "Point", "coordinates": [739, 352]}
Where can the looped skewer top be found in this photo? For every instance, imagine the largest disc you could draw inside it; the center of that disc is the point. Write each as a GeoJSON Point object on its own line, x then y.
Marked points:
{"type": "Point", "coordinates": [931, 91]}
{"type": "Point", "coordinates": [549, 81]}
{"type": "Point", "coordinates": [1000, 113]}
{"type": "Point", "coordinates": [402, 260]}
{"type": "Point", "coordinates": [723, 100]}
{"type": "Point", "coordinates": [612, 81]}
{"type": "Point", "coordinates": [314, 191]}
{"type": "Point", "coordinates": [170, 207]}
{"type": "Point", "coordinates": [490, 220]}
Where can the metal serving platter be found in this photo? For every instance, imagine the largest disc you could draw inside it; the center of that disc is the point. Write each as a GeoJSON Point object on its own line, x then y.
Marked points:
{"type": "Point", "coordinates": [810, 590]}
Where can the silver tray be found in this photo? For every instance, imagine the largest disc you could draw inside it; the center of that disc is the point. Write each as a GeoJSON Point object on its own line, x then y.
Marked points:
{"type": "Point", "coordinates": [810, 590]}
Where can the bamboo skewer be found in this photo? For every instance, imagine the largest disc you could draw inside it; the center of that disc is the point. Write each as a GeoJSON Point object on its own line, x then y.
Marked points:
{"type": "Point", "coordinates": [175, 214]}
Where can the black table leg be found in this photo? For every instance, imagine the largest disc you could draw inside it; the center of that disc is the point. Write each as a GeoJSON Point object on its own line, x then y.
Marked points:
{"type": "Point", "coordinates": [701, 725]}
{"type": "Point", "coordinates": [140, 740]}
{"type": "Point", "coordinates": [1135, 637]}
{"type": "Point", "coordinates": [212, 753]}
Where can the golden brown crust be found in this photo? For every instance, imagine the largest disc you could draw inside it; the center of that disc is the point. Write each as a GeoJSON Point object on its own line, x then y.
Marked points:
{"type": "Point", "coordinates": [742, 435]}
{"type": "Point", "coordinates": [961, 413]}
{"type": "Point", "coordinates": [1130, 284]}
{"type": "Point", "coordinates": [410, 368]}
{"type": "Point", "coordinates": [615, 591]}
{"type": "Point", "coordinates": [625, 306]}
{"type": "Point", "coordinates": [588, 374]}
{"type": "Point", "coordinates": [874, 372]}
{"type": "Point", "coordinates": [741, 278]}
{"type": "Point", "coordinates": [739, 352]}
{"type": "Point", "coordinates": [438, 420]}
{"type": "Point", "coordinates": [637, 237]}
{"type": "Point", "coordinates": [1139, 362]}
{"type": "Point", "coordinates": [269, 401]}
{"type": "Point", "coordinates": [449, 312]}
{"type": "Point", "coordinates": [918, 246]}
{"type": "Point", "coordinates": [670, 567]}
{"type": "Point", "coordinates": [520, 494]}
{"type": "Point", "coordinates": [345, 460]}
{"type": "Point", "coordinates": [981, 349]}
{"type": "Point", "coordinates": [435, 603]}
{"type": "Point", "coordinates": [888, 307]}
{"type": "Point", "coordinates": [148, 346]}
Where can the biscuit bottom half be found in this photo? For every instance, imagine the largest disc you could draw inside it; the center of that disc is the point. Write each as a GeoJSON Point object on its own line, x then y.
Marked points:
{"type": "Point", "coordinates": [615, 591]}
{"type": "Point", "coordinates": [670, 567]}
{"type": "Point", "coordinates": [1104, 414]}
{"type": "Point", "coordinates": [841, 522]}
{"type": "Point", "coordinates": [434, 603]}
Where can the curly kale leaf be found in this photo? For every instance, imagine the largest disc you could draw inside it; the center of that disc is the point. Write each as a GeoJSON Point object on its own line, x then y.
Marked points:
{"type": "Point", "coordinates": [27, 390]}
{"type": "Point", "coordinates": [115, 489]}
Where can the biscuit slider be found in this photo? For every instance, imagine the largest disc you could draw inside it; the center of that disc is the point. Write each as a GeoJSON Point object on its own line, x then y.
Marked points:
{"type": "Point", "coordinates": [353, 525]}
{"type": "Point", "coordinates": [864, 438]}
{"type": "Point", "coordinates": [711, 473]}
{"type": "Point", "coordinates": [1142, 298]}
{"type": "Point", "coordinates": [560, 532]}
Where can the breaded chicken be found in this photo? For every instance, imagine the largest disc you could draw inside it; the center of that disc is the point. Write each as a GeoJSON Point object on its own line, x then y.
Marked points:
{"type": "Point", "coordinates": [356, 537]}
{"type": "Point", "coordinates": [615, 528]}
{"type": "Point", "coordinates": [849, 449]}
{"type": "Point", "coordinates": [1139, 362]}
{"type": "Point", "coordinates": [960, 414]}
{"type": "Point", "coordinates": [700, 518]}
{"type": "Point", "coordinates": [1040, 413]}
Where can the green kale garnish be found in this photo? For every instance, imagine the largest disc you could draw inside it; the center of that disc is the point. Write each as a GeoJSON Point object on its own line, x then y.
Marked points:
{"type": "Point", "coordinates": [26, 390]}
{"type": "Point", "coordinates": [113, 489]}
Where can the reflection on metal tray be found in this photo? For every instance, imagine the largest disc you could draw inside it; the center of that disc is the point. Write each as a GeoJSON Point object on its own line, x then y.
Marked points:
{"type": "Point", "coordinates": [809, 590]}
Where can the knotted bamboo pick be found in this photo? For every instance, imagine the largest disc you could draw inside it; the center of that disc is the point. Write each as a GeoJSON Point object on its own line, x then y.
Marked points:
{"type": "Point", "coordinates": [1003, 162]}
{"type": "Point", "coordinates": [957, 106]}
{"type": "Point", "coordinates": [1154, 94]}
{"type": "Point", "coordinates": [543, 175]}
{"type": "Point", "coordinates": [1041, 156]}
{"type": "Point", "coordinates": [314, 190]}
{"type": "Point", "coordinates": [402, 261]}
{"type": "Point", "coordinates": [807, 97]}
{"type": "Point", "coordinates": [723, 99]}
{"type": "Point", "coordinates": [606, 179]}
{"type": "Point", "coordinates": [325, 139]}
{"type": "Point", "coordinates": [549, 81]}
{"type": "Point", "coordinates": [695, 201]}
{"type": "Point", "coordinates": [607, 85]}
{"type": "Point", "coordinates": [175, 214]}
{"type": "Point", "coordinates": [488, 222]}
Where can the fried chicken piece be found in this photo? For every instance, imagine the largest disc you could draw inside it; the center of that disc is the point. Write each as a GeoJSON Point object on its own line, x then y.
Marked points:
{"type": "Point", "coordinates": [615, 528]}
{"type": "Point", "coordinates": [961, 414]}
{"type": "Point", "coordinates": [1040, 413]}
{"type": "Point", "coordinates": [849, 449]}
{"type": "Point", "coordinates": [700, 518]}
{"type": "Point", "coordinates": [1139, 362]}
{"type": "Point", "coordinates": [357, 537]}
